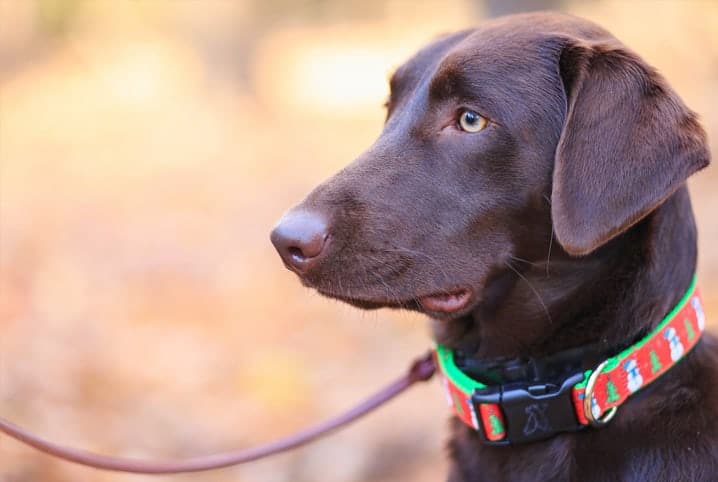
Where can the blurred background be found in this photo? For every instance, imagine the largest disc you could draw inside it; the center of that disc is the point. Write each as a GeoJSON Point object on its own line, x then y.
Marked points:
{"type": "Point", "coordinates": [146, 149]}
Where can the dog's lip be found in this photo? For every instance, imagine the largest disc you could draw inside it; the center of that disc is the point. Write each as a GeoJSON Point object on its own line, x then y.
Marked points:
{"type": "Point", "coordinates": [370, 302]}
{"type": "Point", "coordinates": [449, 301]}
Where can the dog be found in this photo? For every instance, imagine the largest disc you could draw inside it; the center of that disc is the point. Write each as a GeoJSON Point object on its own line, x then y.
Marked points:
{"type": "Point", "coordinates": [528, 193]}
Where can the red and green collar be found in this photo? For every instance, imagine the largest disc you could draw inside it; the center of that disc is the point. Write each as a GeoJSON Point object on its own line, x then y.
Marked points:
{"type": "Point", "coordinates": [518, 412]}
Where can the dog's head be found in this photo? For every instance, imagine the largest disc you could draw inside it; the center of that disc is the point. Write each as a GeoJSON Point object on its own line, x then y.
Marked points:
{"type": "Point", "coordinates": [497, 140]}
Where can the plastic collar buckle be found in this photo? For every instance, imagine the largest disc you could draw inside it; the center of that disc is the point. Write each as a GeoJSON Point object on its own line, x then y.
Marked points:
{"type": "Point", "coordinates": [532, 411]}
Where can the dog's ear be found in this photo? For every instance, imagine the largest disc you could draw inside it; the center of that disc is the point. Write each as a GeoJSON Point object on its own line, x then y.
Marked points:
{"type": "Point", "coordinates": [628, 142]}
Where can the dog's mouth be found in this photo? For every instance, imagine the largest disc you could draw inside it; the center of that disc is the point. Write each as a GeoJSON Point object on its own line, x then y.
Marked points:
{"type": "Point", "coordinates": [445, 302]}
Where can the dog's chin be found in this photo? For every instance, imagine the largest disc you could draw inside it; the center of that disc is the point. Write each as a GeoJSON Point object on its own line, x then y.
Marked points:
{"type": "Point", "coordinates": [443, 305]}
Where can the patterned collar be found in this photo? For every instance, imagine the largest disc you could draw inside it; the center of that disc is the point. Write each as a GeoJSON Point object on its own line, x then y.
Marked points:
{"type": "Point", "coordinates": [517, 412]}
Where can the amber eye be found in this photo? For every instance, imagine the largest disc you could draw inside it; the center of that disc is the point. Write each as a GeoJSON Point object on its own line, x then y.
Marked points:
{"type": "Point", "coordinates": [470, 121]}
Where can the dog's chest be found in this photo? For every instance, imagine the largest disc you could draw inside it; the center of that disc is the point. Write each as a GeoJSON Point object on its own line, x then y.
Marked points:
{"type": "Point", "coordinates": [474, 462]}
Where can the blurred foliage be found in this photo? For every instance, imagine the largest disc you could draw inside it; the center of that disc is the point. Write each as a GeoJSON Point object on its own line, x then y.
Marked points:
{"type": "Point", "coordinates": [55, 17]}
{"type": "Point", "coordinates": [146, 149]}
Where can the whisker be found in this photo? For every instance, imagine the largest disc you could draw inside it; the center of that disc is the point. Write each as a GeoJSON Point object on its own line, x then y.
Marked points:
{"type": "Point", "coordinates": [433, 262]}
{"type": "Point", "coordinates": [532, 263]}
{"type": "Point", "coordinates": [543, 305]}
{"type": "Point", "coordinates": [548, 257]}
{"type": "Point", "coordinates": [391, 294]}
{"type": "Point", "coordinates": [550, 242]}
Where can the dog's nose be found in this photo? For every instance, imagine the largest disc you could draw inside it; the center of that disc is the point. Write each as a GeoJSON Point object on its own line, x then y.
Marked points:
{"type": "Point", "coordinates": [300, 238]}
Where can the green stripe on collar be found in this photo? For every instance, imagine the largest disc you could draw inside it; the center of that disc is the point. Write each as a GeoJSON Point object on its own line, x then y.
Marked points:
{"type": "Point", "coordinates": [507, 414]}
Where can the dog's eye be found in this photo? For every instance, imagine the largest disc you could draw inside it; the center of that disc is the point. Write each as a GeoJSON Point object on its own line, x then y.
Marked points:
{"type": "Point", "coordinates": [470, 121]}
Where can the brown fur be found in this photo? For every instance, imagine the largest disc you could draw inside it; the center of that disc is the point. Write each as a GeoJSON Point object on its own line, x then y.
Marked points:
{"type": "Point", "coordinates": [568, 219]}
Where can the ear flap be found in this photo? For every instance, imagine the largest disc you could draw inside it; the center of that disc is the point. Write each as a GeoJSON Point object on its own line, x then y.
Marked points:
{"type": "Point", "coordinates": [628, 143]}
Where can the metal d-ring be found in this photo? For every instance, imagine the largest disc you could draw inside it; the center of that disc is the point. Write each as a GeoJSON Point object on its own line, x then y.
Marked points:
{"type": "Point", "coordinates": [588, 396]}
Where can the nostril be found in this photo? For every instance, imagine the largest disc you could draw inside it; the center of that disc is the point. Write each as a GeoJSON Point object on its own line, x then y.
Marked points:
{"type": "Point", "coordinates": [300, 238]}
{"type": "Point", "coordinates": [296, 253]}
{"type": "Point", "coordinates": [308, 250]}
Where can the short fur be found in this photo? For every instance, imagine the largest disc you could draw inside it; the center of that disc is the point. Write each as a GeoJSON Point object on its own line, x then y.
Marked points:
{"type": "Point", "coordinates": [568, 218]}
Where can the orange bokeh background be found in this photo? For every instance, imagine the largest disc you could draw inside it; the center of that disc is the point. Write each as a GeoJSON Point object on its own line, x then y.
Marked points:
{"type": "Point", "coordinates": [146, 149]}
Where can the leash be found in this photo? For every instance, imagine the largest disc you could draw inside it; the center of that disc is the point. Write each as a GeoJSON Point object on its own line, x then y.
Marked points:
{"type": "Point", "coordinates": [422, 369]}
{"type": "Point", "coordinates": [503, 414]}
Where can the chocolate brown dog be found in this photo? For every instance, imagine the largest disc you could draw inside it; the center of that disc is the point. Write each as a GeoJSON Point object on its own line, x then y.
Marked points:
{"type": "Point", "coordinates": [528, 193]}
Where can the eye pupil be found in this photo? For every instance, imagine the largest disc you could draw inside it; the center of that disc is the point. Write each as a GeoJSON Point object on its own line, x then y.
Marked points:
{"type": "Point", "coordinates": [470, 121]}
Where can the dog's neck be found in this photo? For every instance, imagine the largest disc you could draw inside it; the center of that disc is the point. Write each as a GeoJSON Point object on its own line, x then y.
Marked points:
{"type": "Point", "coordinates": [612, 296]}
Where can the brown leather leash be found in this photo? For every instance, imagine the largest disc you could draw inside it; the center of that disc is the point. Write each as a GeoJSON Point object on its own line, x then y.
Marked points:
{"type": "Point", "coordinates": [421, 369]}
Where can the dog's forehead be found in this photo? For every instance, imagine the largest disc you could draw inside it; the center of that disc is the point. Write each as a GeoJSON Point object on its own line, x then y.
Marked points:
{"type": "Point", "coordinates": [539, 24]}
{"type": "Point", "coordinates": [504, 40]}
{"type": "Point", "coordinates": [426, 58]}
{"type": "Point", "coordinates": [517, 39]}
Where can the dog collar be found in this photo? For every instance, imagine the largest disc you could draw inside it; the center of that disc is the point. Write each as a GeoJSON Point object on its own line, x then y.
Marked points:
{"type": "Point", "coordinates": [516, 412]}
